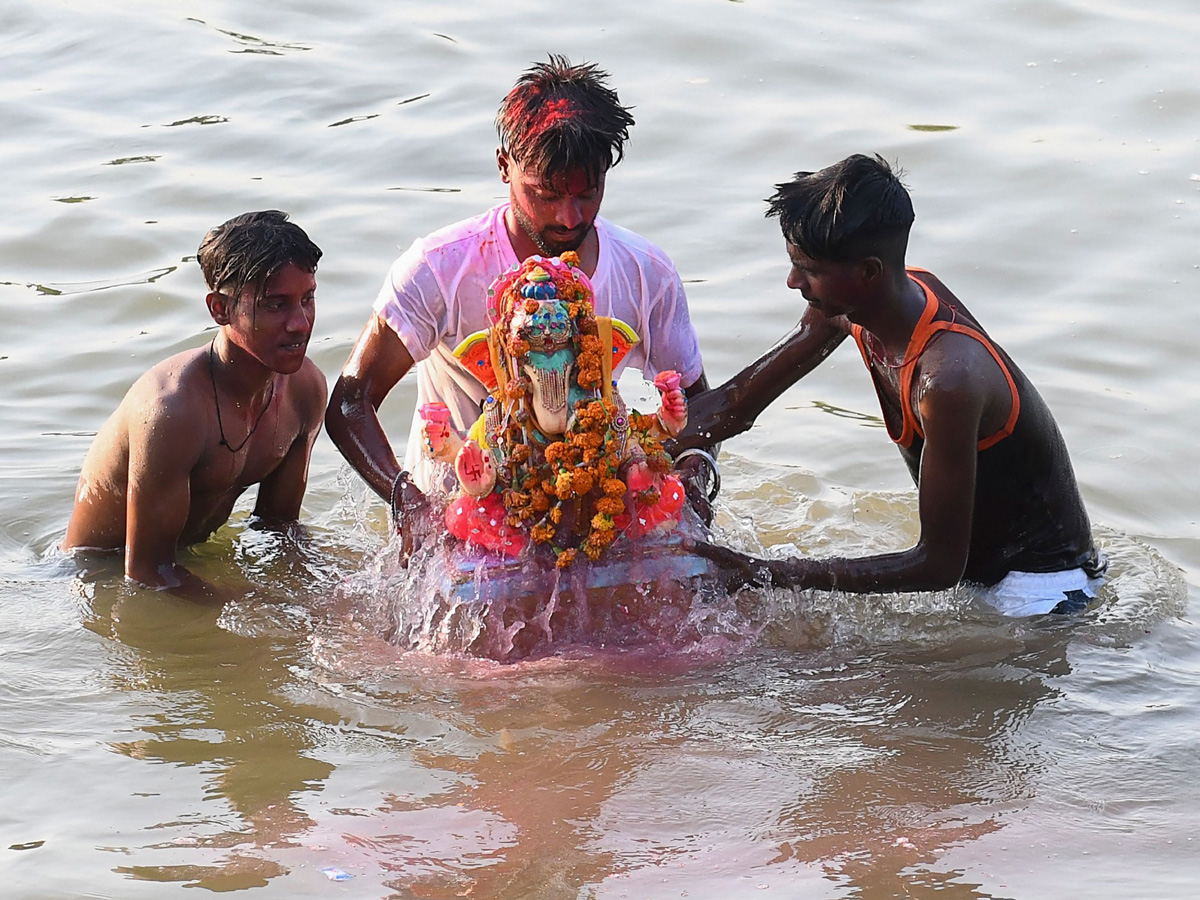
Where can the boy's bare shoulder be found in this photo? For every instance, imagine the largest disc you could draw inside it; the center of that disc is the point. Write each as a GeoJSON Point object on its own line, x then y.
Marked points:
{"type": "Point", "coordinates": [309, 390]}
{"type": "Point", "coordinates": [173, 389]}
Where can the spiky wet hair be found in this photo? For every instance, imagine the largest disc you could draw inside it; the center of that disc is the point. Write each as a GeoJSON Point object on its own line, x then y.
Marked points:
{"type": "Point", "coordinates": [855, 208]}
{"type": "Point", "coordinates": [250, 249]}
{"type": "Point", "coordinates": [561, 117]}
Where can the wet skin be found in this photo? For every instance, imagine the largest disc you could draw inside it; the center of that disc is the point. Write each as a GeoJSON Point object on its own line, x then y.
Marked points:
{"type": "Point", "coordinates": [551, 216]}
{"type": "Point", "coordinates": [960, 395]}
{"type": "Point", "coordinates": [157, 475]}
{"type": "Point", "coordinates": [543, 218]}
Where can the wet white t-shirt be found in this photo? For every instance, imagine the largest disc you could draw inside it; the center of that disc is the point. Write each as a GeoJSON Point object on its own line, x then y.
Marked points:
{"type": "Point", "coordinates": [434, 297]}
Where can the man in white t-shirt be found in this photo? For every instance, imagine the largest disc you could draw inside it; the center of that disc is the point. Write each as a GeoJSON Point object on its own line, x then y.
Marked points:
{"type": "Point", "coordinates": [561, 129]}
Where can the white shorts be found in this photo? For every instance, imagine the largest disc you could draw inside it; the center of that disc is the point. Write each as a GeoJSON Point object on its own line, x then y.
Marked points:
{"type": "Point", "coordinates": [1034, 593]}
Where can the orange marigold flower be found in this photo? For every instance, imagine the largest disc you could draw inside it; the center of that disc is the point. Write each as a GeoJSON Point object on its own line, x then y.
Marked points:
{"type": "Point", "coordinates": [604, 538]}
{"type": "Point", "coordinates": [518, 347]}
{"type": "Point", "coordinates": [531, 306]}
{"type": "Point", "coordinates": [539, 500]}
{"type": "Point", "coordinates": [562, 486]}
{"type": "Point", "coordinates": [590, 343]}
{"type": "Point", "coordinates": [556, 515]}
{"type": "Point", "coordinates": [658, 461]}
{"type": "Point", "coordinates": [565, 558]}
{"type": "Point", "coordinates": [649, 497]}
{"type": "Point", "coordinates": [601, 522]}
{"type": "Point", "coordinates": [614, 487]}
{"type": "Point", "coordinates": [610, 506]}
{"type": "Point", "coordinates": [542, 533]}
{"type": "Point", "coordinates": [582, 482]}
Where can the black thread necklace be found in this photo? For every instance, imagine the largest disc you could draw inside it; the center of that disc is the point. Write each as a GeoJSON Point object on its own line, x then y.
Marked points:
{"type": "Point", "coordinates": [217, 403]}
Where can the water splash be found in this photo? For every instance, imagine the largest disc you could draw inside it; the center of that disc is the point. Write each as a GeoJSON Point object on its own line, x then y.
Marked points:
{"type": "Point", "coordinates": [454, 599]}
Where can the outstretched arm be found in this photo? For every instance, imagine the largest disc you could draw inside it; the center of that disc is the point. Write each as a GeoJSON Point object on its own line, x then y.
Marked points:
{"type": "Point", "coordinates": [164, 447]}
{"type": "Point", "coordinates": [733, 407]}
{"type": "Point", "coordinates": [950, 410]}
{"type": "Point", "coordinates": [281, 492]}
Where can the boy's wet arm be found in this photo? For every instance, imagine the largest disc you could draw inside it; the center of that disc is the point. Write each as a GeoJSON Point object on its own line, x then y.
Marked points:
{"type": "Point", "coordinates": [734, 406]}
{"type": "Point", "coordinates": [949, 411]}
{"type": "Point", "coordinates": [281, 492]}
{"type": "Point", "coordinates": [164, 448]}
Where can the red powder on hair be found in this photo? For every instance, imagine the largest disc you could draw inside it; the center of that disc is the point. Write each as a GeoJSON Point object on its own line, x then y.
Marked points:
{"type": "Point", "coordinates": [533, 122]}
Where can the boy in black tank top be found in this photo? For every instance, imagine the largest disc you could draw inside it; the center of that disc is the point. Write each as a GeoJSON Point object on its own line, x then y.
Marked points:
{"type": "Point", "coordinates": [998, 501]}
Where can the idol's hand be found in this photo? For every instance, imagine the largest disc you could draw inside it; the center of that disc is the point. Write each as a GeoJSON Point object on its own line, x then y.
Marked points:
{"type": "Point", "coordinates": [441, 441]}
{"type": "Point", "coordinates": [673, 411]}
{"type": "Point", "coordinates": [473, 465]}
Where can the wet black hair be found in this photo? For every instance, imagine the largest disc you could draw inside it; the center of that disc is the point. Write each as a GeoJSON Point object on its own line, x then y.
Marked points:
{"type": "Point", "coordinates": [561, 117]}
{"type": "Point", "coordinates": [853, 209]}
{"type": "Point", "coordinates": [250, 249]}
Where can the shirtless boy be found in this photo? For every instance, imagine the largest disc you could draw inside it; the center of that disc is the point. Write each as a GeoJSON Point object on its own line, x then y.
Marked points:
{"type": "Point", "coordinates": [202, 426]}
{"type": "Point", "coordinates": [561, 129]}
{"type": "Point", "coordinates": [997, 498]}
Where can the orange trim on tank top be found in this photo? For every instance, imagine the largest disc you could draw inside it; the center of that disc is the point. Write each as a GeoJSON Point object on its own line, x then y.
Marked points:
{"type": "Point", "coordinates": [926, 329]}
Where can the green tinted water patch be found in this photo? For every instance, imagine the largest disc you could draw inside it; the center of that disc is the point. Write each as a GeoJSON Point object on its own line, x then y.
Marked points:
{"type": "Point", "coordinates": [933, 128]}
{"type": "Point", "coordinates": [125, 160]}
{"type": "Point", "coordinates": [72, 199]}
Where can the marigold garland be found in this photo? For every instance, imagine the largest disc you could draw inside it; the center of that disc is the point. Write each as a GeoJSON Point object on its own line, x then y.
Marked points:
{"type": "Point", "coordinates": [541, 479]}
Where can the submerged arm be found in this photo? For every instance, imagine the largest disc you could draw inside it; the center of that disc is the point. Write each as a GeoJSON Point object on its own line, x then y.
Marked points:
{"type": "Point", "coordinates": [163, 450]}
{"type": "Point", "coordinates": [282, 491]}
{"type": "Point", "coordinates": [950, 415]}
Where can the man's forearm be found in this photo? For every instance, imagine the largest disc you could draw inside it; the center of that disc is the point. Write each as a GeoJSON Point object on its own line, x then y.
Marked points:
{"type": "Point", "coordinates": [356, 431]}
{"type": "Point", "coordinates": [908, 570]}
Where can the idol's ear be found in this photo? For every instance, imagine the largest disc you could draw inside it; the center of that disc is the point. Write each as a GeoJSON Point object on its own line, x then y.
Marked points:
{"type": "Point", "coordinates": [624, 339]}
{"type": "Point", "coordinates": [474, 356]}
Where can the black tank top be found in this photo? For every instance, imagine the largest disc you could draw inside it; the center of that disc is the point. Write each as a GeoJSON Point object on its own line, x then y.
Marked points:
{"type": "Point", "coordinates": [1028, 514]}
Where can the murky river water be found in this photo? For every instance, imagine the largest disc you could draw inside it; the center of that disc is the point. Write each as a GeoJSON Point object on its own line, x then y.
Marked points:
{"type": "Point", "coordinates": [812, 746]}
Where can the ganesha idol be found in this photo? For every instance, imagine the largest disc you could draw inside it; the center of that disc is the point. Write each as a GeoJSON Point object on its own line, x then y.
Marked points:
{"type": "Point", "coordinates": [556, 461]}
